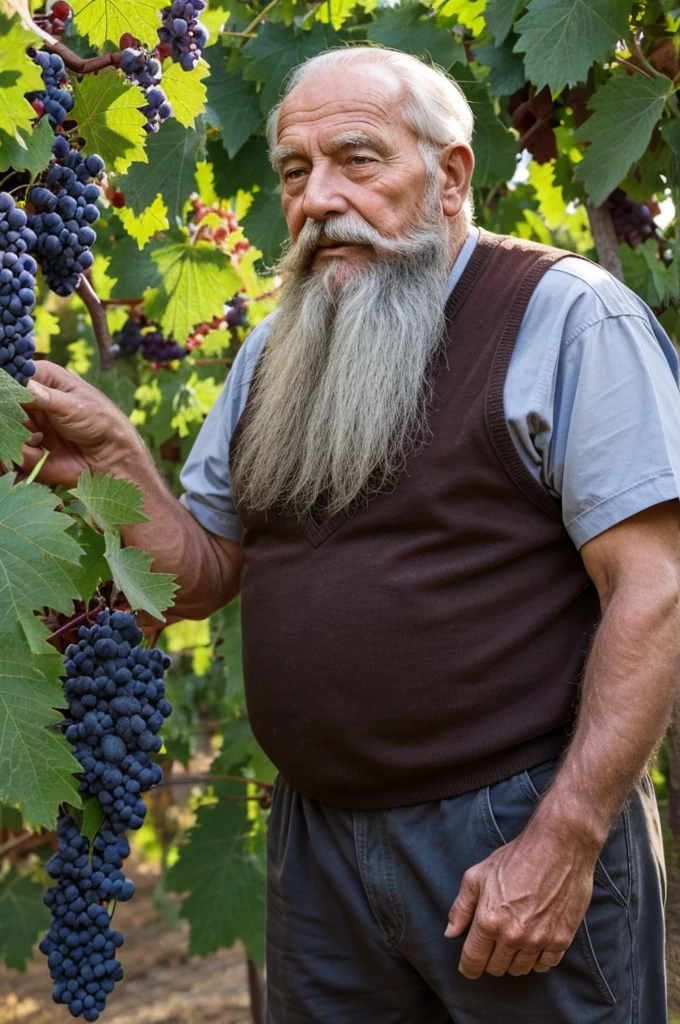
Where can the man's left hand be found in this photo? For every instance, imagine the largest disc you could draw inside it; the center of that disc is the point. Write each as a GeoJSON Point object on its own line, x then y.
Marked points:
{"type": "Point", "coordinates": [523, 905]}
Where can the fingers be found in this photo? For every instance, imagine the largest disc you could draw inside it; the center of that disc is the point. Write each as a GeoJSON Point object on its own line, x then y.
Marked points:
{"type": "Point", "coordinates": [463, 908]}
{"type": "Point", "coordinates": [476, 954]}
{"type": "Point", "coordinates": [52, 376]}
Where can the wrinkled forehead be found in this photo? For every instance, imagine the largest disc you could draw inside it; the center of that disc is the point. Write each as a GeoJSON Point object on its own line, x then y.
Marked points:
{"type": "Point", "coordinates": [353, 97]}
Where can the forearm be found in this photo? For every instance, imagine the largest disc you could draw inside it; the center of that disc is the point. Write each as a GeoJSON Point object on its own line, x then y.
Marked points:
{"type": "Point", "coordinates": [176, 541]}
{"type": "Point", "coordinates": [627, 697]}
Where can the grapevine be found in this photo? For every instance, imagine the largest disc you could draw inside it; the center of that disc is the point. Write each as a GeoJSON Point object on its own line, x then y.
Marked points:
{"type": "Point", "coordinates": [55, 101]}
{"type": "Point", "coordinates": [17, 291]}
{"type": "Point", "coordinates": [147, 73]}
{"type": "Point", "coordinates": [633, 222]}
{"type": "Point", "coordinates": [183, 32]}
{"type": "Point", "coordinates": [116, 705]}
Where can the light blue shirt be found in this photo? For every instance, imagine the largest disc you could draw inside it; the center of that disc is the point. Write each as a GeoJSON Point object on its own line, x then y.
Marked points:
{"type": "Point", "coordinates": [591, 402]}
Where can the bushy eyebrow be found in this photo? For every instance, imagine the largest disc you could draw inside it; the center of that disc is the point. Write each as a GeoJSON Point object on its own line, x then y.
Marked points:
{"type": "Point", "coordinates": [280, 154]}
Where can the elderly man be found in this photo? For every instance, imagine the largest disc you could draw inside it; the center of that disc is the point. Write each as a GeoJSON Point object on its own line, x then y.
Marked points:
{"type": "Point", "coordinates": [445, 470]}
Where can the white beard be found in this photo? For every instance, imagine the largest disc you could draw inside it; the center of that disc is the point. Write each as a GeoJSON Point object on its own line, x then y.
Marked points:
{"type": "Point", "coordinates": [342, 386]}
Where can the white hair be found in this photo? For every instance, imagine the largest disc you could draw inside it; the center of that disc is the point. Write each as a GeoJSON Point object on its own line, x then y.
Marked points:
{"type": "Point", "coordinates": [434, 106]}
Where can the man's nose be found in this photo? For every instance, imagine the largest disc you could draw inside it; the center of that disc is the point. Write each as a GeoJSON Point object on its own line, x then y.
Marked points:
{"type": "Point", "coordinates": [323, 196]}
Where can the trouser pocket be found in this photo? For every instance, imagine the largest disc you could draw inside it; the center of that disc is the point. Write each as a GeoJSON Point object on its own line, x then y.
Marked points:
{"type": "Point", "coordinates": [603, 938]}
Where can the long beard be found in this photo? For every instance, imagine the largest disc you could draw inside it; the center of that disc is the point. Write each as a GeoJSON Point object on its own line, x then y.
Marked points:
{"type": "Point", "coordinates": [341, 391]}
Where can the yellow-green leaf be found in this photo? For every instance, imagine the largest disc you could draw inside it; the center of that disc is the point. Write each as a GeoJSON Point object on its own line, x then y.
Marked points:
{"type": "Point", "coordinates": [186, 91]}
{"type": "Point", "coordinates": [107, 20]}
{"type": "Point", "coordinates": [109, 121]}
{"type": "Point", "coordinates": [18, 75]}
{"type": "Point", "coordinates": [145, 226]}
{"type": "Point", "coordinates": [196, 281]}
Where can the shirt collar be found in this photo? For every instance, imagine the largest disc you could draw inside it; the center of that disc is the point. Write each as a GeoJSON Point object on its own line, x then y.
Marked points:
{"type": "Point", "coordinates": [462, 258]}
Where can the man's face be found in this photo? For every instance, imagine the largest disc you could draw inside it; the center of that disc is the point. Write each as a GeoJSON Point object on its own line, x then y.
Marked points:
{"type": "Point", "coordinates": [343, 150]}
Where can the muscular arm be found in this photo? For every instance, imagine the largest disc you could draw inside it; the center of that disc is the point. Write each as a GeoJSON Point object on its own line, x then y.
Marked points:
{"type": "Point", "coordinates": [524, 903]}
{"type": "Point", "coordinates": [82, 429]}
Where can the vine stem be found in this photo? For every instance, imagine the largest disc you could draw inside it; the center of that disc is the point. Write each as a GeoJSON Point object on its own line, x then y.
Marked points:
{"type": "Point", "coordinates": [73, 62]}
{"type": "Point", "coordinates": [260, 17]}
{"type": "Point", "coordinates": [15, 841]}
{"type": "Point", "coordinates": [604, 236]}
{"type": "Point", "coordinates": [534, 130]}
{"type": "Point", "coordinates": [637, 50]}
{"type": "Point", "coordinates": [98, 316]}
{"type": "Point", "coordinates": [196, 780]}
{"type": "Point", "coordinates": [121, 302]}
{"type": "Point", "coordinates": [78, 621]}
{"type": "Point", "coordinates": [633, 67]}
{"type": "Point", "coordinates": [256, 990]}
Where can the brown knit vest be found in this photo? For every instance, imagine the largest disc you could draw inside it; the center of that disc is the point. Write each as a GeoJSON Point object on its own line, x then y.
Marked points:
{"type": "Point", "coordinates": [431, 641]}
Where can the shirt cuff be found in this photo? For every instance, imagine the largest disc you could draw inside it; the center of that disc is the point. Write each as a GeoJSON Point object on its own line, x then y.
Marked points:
{"type": "Point", "coordinates": [224, 524]}
{"type": "Point", "coordinates": [613, 510]}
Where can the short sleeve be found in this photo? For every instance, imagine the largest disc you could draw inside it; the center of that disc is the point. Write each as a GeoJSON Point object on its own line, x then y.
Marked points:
{"type": "Point", "coordinates": [616, 436]}
{"type": "Point", "coordinates": [205, 476]}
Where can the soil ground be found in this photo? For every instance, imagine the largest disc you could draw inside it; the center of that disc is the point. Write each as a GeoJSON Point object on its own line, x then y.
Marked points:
{"type": "Point", "coordinates": [164, 985]}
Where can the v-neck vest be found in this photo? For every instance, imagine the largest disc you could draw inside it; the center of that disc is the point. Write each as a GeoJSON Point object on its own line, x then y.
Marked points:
{"type": "Point", "coordinates": [431, 640]}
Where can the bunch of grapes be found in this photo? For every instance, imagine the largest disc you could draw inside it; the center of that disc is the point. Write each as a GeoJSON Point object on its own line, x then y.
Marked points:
{"type": "Point", "coordinates": [116, 699]}
{"type": "Point", "coordinates": [81, 946]}
{"type": "Point", "coordinates": [55, 100]}
{"type": "Point", "coordinates": [66, 210]}
{"type": "Point", "coordinates": [17, 291]}
{"type": "Point", "coordinates": [116, 704]}
{"type": "Point", "coordinates": [633, 222]}
{"type": "Point", "coordinates": [158, 349]}
{"type": "Point", "coordinates": [128, 341]}
{"type": "Point", "coordinates": [236, 311]}
{"type": "Point", "coordinates": [146, 72]}
{"type": "Point", "coordinates": [183, 32]}
{"type": "Point", "coordinates": [56, 18]}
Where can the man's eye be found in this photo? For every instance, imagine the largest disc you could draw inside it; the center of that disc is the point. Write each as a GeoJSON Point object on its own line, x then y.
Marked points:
{"type": "Point", "coordinates": [292, 175]}
{"type": "Point", "coordinates": [363, 160]}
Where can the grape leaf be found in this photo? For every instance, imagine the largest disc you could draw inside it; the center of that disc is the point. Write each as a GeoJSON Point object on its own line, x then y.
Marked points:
{"type": "Point", "coordinates": [276, 50]}
{"type": "Point", "coordinates": [222, 870]}
{"type": "Point", "coordinates": [408, 28]}
{"type": "Point", "coordinates": [133, 270]}
{"type": "Point", "coordinates": [106, 20]}
{"type": "Point", "coordinates": [36, 765]}
{"type": "Point", "coordinates": [186, 91]}
{"type": "Point", "coordinates": [626, 109]}
{"type": "Point", "coordinates": [196, 281]}
{"type": "Point", "coordinates": [494, 145]}
{"type": "Point", "coordinates": [109, 121]}
{"type": "Point", "coordinates": [110, 502]}
{"type": "Point", "coordinates": [144, 226]}
{"type": "Point", "coordinates": [336, 12]}
{"type": "Point", "coordinates": [171, 169]}
{"type": "Point", "coordinates": [147, 591]}
{"type": "Point", "coordinates": [233, 105]}
{"type": "Point", "coordinates": [562, 38]}
{"type": "Point", "coordinates": [499, 16]}
{"type": "Point", "coordinates": [93, 816]}
{"type": "Point", "coordinates": [39, 562]}
{"type": "Point", "coordinates": [231, 649]}
{"type": "Point", "coordinates": [18, 75]}
{"type": "Point", "coordinates": [23, 916]}
{"type": "Point", "coordinates": [507, 68]}
{"type": "Point", "coordinates": [469, 13]}
{"type": "Point", "coordinates": [36, 152]}
{"type": "Point", "coordinates": [670, 131]}
{"type": "Point", "coordinates": [265, 225]}
{"type": "Point", "coordinates": [646, 274]}
{"type": "Point", "coordinates": [12, 433]}
{"type": "Point", "coordinates": [249, 167]}
{"type": "Point", "coordinates": [94, 567]}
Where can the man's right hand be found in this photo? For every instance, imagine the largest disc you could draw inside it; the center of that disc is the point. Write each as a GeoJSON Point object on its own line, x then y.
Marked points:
{"type": "Point", "coordinates": [79, 426]}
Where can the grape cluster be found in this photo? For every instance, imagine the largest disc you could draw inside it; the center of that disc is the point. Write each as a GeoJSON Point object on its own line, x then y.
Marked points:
{"type": "Point", "coordinates": [183, 32]}
{"type": "Point", "coordinates": [147, 73]}
{"type": "Point", "coordinates": [56, 18]}
{"type": "Point", "coordinates": [17, 291]}
{"type": "Point", "coordinates": [66, 210]}
{"type": "Point", "coordinates": [236, 311]}
{"type": "Point", "coordinates": [158, 349]}
{"type": "Point", "coordinates": [55, 101]}
{"type": "Point", "coordinates": [633, 222]}
{"type": "Point", "coordinates": [81, 946]}
{"type": "Point", "coordinates": [116, 698]}
{"type": "Point", "coordinates": [128, 341]}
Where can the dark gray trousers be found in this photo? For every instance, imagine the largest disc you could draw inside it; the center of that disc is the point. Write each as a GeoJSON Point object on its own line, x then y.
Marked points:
{"type": "Point", "coordinates": [357, 904]}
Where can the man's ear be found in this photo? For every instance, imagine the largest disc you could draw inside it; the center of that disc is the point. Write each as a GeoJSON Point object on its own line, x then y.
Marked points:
{"type": "Point", "coordinates": [457, 164]}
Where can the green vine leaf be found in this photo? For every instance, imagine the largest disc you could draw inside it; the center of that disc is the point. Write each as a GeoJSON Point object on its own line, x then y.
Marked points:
{"type": "Point", "coordinates": [494, 145]}
{"type": "Point", "coordinates": [507, 73]}
{"type": "Point", "coordinates": [109, 120]}
{"type": "Point", "coordinates": [561, 39]}
{"type": "Point", "coordinates": [18, 75]}
{"type": "Point", "coordinates": [145, 590]}
{"type": "Point", "coordinates": [186, 91]}
{"type": "Point", "coordinates": [106, 20]}
{"type": "Point", "coordinates": [23, 916]}
{"type": "Point", "coordinates": [36, 765]}
{"type": "Point", "coordinates": [33, 154]}
{"type": "Point", "coordinates": [171, 169]}
{"type": "Point", "coordinates": [408, 28]}
{"type": "Point", "coordinates": [233, 104]}
{"type": "Point", "coordinates": [39, 562]}
{"type": "Point", "coordinates": [499, 16]}
{"type": "Point", "coordinates": [626, 109]}
{"type": "Point", "coordinates": [110, 502]}
{"type": "Point", "coordinates": [196, 281]}
{"type": "Point", "coordinates": [224, 875]}
{"type": "Point", "coordinates": [265, 225]}
{"type": "Point", "coordinates": [276, 50]}
{"type": "Point", "coordinates": [12, 432]}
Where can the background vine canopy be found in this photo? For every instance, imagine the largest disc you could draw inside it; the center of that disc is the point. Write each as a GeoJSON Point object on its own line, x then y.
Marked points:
{"type": "Point", "coordinates": [577, 144]}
